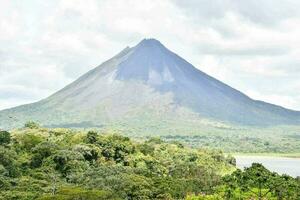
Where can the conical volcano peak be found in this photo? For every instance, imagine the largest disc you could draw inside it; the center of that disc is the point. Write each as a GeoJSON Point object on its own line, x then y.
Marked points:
{"type": "Point", "coordinates": [149, 61]}
{"type": "Point", "coordinates": [148, 82]}
{"type": "Point", "coordinates": [150, 43]}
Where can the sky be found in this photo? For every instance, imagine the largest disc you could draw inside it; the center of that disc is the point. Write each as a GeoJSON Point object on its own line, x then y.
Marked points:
{"type": "Point", "coordinates": [253, 46]}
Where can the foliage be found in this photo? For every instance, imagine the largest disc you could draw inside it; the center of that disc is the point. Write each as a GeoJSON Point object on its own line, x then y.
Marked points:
{"type": "Point", "coordinates": [91, 137]}
{"type": "Point", "coordinates": [31, 125]}
{"type": "Point", "coordinates": [4, 137]}
{"type": "Point", "coordinates": [255, 182]}
{"type": "Point", "coordinates": [64, 164]}
{"type": "Point", "coordinates": [75, 193]}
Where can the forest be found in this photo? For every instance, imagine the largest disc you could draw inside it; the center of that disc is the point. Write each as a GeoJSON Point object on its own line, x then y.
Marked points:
{"type": "Point", "coordinates": [65, 164]}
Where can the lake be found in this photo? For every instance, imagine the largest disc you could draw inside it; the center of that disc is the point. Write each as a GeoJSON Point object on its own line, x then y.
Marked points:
{"type": "Point", "coordinates": [281, 165]}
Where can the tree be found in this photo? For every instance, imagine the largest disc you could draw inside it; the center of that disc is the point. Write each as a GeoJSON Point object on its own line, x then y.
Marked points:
{"type": "Point", "coordinates": [69, 163]}
{"type": "Point", "coordinates": [230, 186]}
{"type": "Point", "coordinates": [4, 137]}
{"type": "Point", "coordinates": [89, 152]}
{"type": "Point", "coordinates": [257, 176]}
{"type": "Point", "coordinates": [28, 141]}
{"type": "Point", "coordinates": [116, 147]}
{"type": "Point", "coordinates": [42, 151]}
{"type": "Point", "coordinates": [91, 137]}
{"type": "Point", "coordinates": [8, 161]}
{"type": "Point", "coordinates": [285, 187]}
{"type": "Point", "coordinates": [31, 125]}
{"type": "Point", "coordinates": [261, 183]}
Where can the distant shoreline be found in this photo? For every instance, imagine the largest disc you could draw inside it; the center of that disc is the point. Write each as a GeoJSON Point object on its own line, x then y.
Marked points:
{"type": "Point", "coordinates": [284, 155]}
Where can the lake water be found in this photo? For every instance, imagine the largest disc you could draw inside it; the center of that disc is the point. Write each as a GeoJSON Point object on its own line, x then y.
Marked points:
{"type": "Point", "coordinates": [281, 165]}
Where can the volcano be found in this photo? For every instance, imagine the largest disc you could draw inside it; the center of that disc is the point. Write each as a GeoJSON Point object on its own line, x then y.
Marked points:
{"type": "Point", "coordinates": [150, 85]}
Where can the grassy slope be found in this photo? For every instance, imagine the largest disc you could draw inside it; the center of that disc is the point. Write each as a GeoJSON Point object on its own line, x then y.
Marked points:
{"type": "Point", "coordinates": [194, 131]}
{"type": "Point", "coordinates": [205, 133]}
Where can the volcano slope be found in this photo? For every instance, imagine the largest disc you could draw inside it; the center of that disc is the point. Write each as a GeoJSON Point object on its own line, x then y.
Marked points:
{"type": "Point", "coordinates": [147, 89]}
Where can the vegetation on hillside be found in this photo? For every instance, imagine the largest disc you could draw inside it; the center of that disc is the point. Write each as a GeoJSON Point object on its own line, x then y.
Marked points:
{"type": "Point", "coordinates": [64, 164]}
{"type": "Point", "coordinates": [274, 141]}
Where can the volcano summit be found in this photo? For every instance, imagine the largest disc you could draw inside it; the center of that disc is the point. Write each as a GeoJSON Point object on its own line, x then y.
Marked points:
{"type": "Point", "coordinates": [151, 86]}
